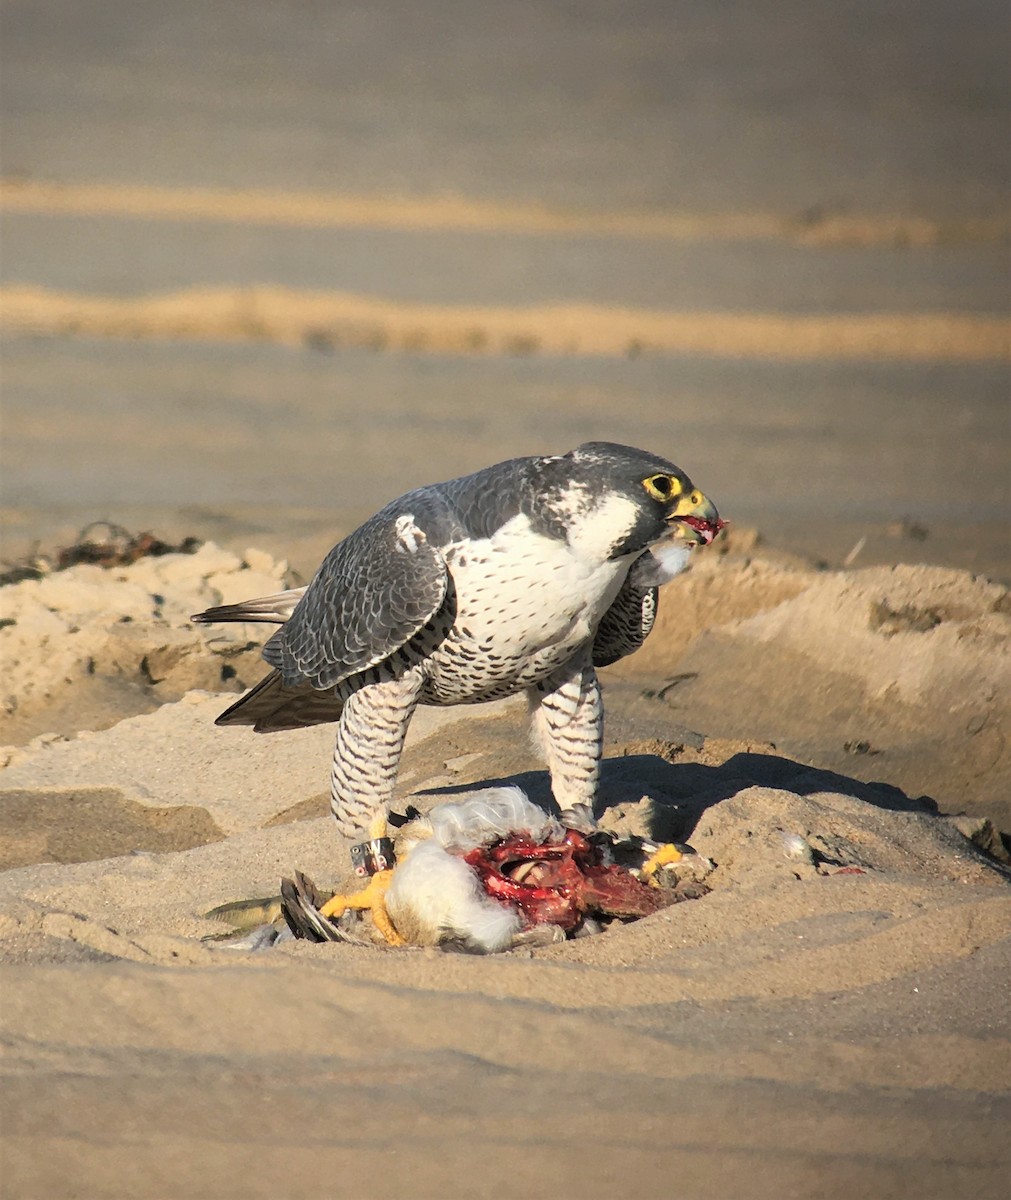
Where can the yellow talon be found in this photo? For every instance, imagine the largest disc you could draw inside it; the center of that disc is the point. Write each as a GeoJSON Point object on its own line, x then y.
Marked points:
{"type": "Point", "coordinates": [372, 898]}
{"type": "Point", "coordinates": [663, 857]}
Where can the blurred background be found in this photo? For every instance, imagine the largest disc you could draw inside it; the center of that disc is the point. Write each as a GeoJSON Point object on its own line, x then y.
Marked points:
{"type": "Point", "coordinates": [267, 264]}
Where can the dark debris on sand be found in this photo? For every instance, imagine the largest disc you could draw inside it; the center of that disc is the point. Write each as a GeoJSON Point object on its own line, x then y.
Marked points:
{"type": "Point", "coordinates": [117, 548]}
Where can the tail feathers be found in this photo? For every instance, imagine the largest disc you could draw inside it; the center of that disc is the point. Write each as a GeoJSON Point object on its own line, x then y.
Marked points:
{"type": "Point", "coordinates": [270, 706]}
{"type": "Point", "coordinates": [275, 609]}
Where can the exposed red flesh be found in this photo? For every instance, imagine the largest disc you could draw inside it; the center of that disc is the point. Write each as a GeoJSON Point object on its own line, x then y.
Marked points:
{"type": "Point", "coordinates": [708, 529]}
{"type": "Point", "coordinates": [569, 881]}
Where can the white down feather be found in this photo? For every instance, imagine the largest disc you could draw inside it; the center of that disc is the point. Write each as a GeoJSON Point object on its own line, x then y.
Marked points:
{"type": "Point", "coordinates": [434, 895]}
{"type": "Point", "coordinates": [489, 816]}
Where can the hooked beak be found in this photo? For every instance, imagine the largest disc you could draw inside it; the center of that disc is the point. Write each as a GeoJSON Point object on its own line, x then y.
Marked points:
{"type": "Point", "coordinates": [694, 518]}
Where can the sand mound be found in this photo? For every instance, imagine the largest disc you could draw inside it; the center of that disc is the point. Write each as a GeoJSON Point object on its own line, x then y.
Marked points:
{"type": "Point", "coordinates": [901, 674]}
{"type": "Point", "coordinates": [84, 647]}
{"type": "Point", "coordinates": [912, 632]}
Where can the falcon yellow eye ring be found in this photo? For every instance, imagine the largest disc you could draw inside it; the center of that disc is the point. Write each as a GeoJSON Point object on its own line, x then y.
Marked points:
{"type": "Point", "coordinates": [661, 487]}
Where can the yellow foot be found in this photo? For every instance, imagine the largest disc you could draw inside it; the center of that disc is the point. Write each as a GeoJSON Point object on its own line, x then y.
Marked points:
{"type": "Point", "coordinates": [663, 857]}
{"type": "Point", "coordinates": [372, 898]}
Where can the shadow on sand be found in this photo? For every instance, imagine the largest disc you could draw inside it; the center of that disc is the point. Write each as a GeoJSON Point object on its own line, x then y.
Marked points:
{"type": "Point", "coordinates": [680, 792]}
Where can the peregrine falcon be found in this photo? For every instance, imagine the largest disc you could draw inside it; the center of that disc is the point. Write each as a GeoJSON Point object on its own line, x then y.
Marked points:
{"type": "Point", "coordinates": [523, 577]}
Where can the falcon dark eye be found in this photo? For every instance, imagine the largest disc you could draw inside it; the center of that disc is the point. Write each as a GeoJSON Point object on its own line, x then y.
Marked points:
{"type": "Point", "coordinates": [661, 487]}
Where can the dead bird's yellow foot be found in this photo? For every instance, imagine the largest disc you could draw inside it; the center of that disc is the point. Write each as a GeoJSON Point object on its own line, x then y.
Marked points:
{"type": "Point", "coordinates": [376, 859]}
{"type": "Point", "coordinates": [310, 915]}
{"type": "Point", "coordinates": [371, 898]}
{"type": "Point", "coordinates": [664, 856]}
{"type": "Point", "coordinates": [677, 870]}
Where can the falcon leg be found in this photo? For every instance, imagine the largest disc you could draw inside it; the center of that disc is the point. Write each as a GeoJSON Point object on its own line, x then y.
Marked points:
{"type": "Point", "coordinates": [568, 719]}
{"type": "Point", "coordinates": [366, 755]}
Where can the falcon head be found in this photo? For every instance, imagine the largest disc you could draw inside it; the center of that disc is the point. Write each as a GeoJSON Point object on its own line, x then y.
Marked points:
{"type": "Point", "coordinates": [618, 500]}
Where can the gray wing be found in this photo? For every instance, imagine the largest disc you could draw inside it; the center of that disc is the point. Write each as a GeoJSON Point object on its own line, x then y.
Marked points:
{"type": "Point", "coordinates": [373, 592]}
{"type": "Point", "coordinates": [627, 623]}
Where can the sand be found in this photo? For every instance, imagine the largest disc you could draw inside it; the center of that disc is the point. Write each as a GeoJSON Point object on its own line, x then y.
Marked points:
{"type": "Point", "coordinates": [831, 1017]}
{"type": "Point", "coordinates": [458, 214]}
{"type": "Point", "coordinates": [330, 320]}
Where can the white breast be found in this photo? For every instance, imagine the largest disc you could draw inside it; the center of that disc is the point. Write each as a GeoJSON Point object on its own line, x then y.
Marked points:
{"type": "Point", "coordinates": [525, 604]}
{"type": "Point", "coordinates": [544, 590]}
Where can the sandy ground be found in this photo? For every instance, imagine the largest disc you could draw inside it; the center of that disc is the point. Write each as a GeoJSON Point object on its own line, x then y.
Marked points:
{"type": "Point", "coordinates": [262, 274]}
{"type": "Point", "coordinates": [849, 994]}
